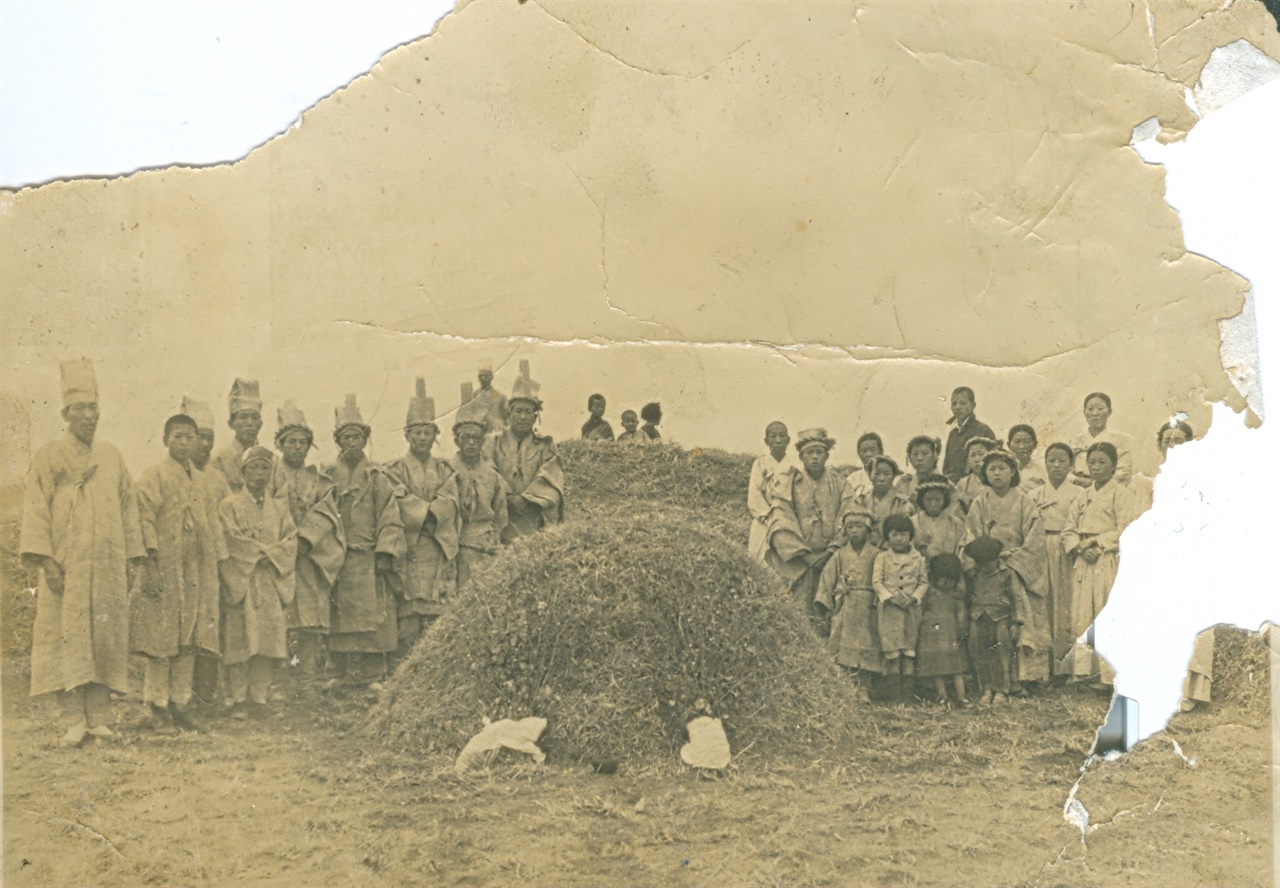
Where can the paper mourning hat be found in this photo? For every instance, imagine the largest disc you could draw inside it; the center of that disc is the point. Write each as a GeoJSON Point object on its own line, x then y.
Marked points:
{"type": "Point", "coordinates": [471, 411]}
{"type": "Point", "coordinates": [256, 452]}
{"type": "Point", "coordinates": [814, 436]}
{"type": "Point", "coordinates": [244, 396]}
{"type": "Point", "coordinates": [79, 385]}
{"type": "Point", "coordinates": [290, 419]}
{"type": "Point", "coordinates": [199, 411]}
{"type": "Point", "coordinates": [422, 410]}
{"type": "Point", "coordinates": [525, 389]}
{"type": "Point", "coordinates": [348, 415]}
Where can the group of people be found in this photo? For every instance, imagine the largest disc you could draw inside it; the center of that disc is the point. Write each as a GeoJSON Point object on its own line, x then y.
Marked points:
{"type": "Point", "coordinates": [217, 565]}
{"type": "Point", "coordinates": [976, 560]}
{"type": "Point", "coordinates": [597, 428]}
{"type": "Point", "coordinates": [209, 563]}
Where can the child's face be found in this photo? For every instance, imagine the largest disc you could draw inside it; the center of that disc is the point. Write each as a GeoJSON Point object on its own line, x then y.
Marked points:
{"type": "Point", "coordinates": [999, 475]}
{"type": "Point", "coordinates": [868, 449]}
{"type": "Point", "coordinates": [881, 478]}
{"type": "Point", "coordinates": [961, 406]}
{"type": "Point", "coordinates": [1057, 464]}
{"type": "Point", "coordinates": [934, 502]}
{"type": "Point", "coordinates": [977, 454]}
{"type": "Point", "coordinates": [630, 421]}
{"type": "Point", "coordinates": [596, 407]}
{"type": "Point", "coordinates": [857, 531]}
{"type": "Point", "coordinates": [923, 459]}
{"type": "Point", "coordinates": [899, 540]}
{"type": "Point", "coordinates": [946, 584]}
{"type": "Point", "coordinates": [293, 449]}
{"type": "Point", "coordinates": [256, 475]}
{"type": "Point", "coordinates": [181, 440]}
{"type": "Point", "coordinates": [777, 439]}
{"type": "Point", "coordinates": [988, 567]}
{"type": "Point", "coordinates": [1022, 445]}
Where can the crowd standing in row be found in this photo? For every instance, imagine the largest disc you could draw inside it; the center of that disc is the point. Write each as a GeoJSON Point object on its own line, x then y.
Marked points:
{"type": "Point", "coordinates": [215, 565]}
{"type": "Point", "coordinates": [211, 560]}
{"type": "Point", "coordinates": [991, 565]}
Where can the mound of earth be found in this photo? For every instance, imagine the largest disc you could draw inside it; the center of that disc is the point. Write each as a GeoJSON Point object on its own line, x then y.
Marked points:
{"type": "Point", "coordinates": [604, 479]}
{"type": "Point", "coordinates": [618, 630]}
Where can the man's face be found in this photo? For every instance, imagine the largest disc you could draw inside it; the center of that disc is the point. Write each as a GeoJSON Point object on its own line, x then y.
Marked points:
{"type": "Point", "coordinates": [293, 449]}
{"type": "Point", "coordinates": [256, 475]}
{"type": "Point", "coordinates": [351, 444]}
{"type": "Point", "coordinates": [596, 407]}
{"type": "Point", "coordinates": [181, 441]}
{"type": "Point", "coordinates": [961, 406]}
{"type": "Point", "coordinates": [82, 420]}
{"type": "Point", "coordinates": [470, 441]}
{"type": "Point", "coordinates": [203, 448]}
{"type": "Point", "coordinates": [814, 457]}
{"type": "Point", "coordinates": [486, 377]}
{"type": "Point", "coordinates": [522, 416]}
{"type": "Point", "coordinates": [777, 439]}
{"type": "Point", "coordinates": [246, 424]}
{"type": "Point", "coordinates": [421, 439]}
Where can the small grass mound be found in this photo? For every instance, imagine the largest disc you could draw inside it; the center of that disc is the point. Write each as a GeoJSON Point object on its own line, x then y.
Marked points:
{"type": "Point", "coordinates": [1241, 669]}
{"type": "Point", "coordinates": [618, 631]}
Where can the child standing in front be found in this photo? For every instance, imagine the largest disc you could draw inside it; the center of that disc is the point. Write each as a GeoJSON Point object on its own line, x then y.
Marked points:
{"type": "Point", "coordinates": [899, 578]}
{"type": "Point", "coordinates": [943, 622]}
{"type": "Point", "coordinates": [257, 584]}
{"type": "Point", "coordinates": [844, 591]}
{"type": "Point", "coordinates": [997, 608]}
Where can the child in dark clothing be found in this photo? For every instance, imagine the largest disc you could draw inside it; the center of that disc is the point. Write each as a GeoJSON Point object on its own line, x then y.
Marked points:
{"type": "Point", "coordinates": [997, 608]}
{"type": "Point", "coordinates": [943, 622]}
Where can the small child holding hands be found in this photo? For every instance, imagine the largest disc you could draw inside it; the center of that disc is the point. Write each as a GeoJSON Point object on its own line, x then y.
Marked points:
{"type": "Point", "coordinates": [997, 610]}
{"type": "Point", "coordinates": [943, 622]}
{"type": "Point", "coordinates": [899, 578]}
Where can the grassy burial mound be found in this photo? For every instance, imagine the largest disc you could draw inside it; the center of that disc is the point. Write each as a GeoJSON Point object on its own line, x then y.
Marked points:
{"type": "Point", "coordinates": [604, 479]}
{"type": "Point", "coordinates": [618, 630]}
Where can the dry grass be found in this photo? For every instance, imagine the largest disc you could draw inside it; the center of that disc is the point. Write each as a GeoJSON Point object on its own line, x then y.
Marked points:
{"type": "Point", "coordinates": [618, 631]}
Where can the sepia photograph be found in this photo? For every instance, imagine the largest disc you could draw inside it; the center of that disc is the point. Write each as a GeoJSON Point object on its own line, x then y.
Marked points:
{"type": "Point", "coordinates": [545, 442]}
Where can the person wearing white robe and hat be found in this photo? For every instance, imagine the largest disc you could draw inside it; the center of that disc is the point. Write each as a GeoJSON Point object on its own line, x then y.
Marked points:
{"type": "Point", "coordinates": [80, 533]}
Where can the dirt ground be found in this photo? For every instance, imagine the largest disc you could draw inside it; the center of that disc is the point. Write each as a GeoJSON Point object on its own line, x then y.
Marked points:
{"type": "Point", "coordinates": [948, 797]}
